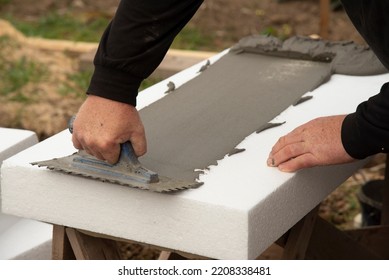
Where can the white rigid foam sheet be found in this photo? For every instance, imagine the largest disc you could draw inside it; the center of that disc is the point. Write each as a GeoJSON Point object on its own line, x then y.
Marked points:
{"type": "Point", "coordinates": [242, 208]}
{"type": "Point", "coordinates": [13, 141]}
{"type": "Point", "coordinates": [19, 236]}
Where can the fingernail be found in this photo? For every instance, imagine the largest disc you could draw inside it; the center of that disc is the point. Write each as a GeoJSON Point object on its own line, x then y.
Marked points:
{"type": "Point", "coordinates": [282, 168]}
{"type": "Point", "coordinates": [270, 162]}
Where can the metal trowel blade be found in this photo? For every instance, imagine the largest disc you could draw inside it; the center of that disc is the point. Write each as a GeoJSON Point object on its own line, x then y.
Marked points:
{"type": "Point", "coordinates": [127, 172]}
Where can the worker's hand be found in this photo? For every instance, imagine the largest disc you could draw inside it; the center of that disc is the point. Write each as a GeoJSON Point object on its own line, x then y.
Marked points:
{"type": "Point", "coordinates": [101, 125]}
{"type": "Point", "coordinates": [317, 142]}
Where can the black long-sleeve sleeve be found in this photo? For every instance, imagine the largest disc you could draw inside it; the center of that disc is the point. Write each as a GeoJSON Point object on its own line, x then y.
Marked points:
{"type": "Point", "coordinates": [134, 44]}
{"type": "Point", "coordinates": [366, 132]}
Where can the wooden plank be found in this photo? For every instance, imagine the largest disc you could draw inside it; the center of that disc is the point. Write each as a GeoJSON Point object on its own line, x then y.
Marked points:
{"type": "Point", "coordinates": [329, 243]}
{"type": "Point", "coordinates": [299, 237]}
{"type": "Point", "coordinates": [274, 252]}
{"type": "Point", "coordinates": [87, 247]}
{"type": "Point", "coordinates": [164, 255]}
{"type": "Point", "coordinates": [324, 18]}
{"type": "Point", "coordinates": [167, 255]}
{"type": "Point", "coordinates": [385, 198]}
{"type": "Point", "coordinates": [61, 249]}
{"type": "Point", "coordinates": [376, 238]}
{"type": "Point", "coordinates": [166, 250]}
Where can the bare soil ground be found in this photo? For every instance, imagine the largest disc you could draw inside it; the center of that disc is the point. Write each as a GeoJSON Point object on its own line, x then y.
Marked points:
{"type": "Point", "coordinates": [225, 21]}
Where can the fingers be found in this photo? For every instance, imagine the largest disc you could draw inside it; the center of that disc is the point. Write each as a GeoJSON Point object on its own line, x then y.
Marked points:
{"type": "Point", "coordinates": [297, 163]}
{"type": "Point", "coordinates": [292, 138]}
{"type": "Point", "coordinates": [102, 125]}
{"type": "Point", "coordinates": [103, 151]}
{"type": "Point", "coordinates": [139, 144]}
{"type": "Point", "coordinates": [286, 148]}
{"type": "Point", "coordinates": [106, 149]}
{"type": "Point", "coordinates": [76, 143]}
{"type": "Point", "coordinates": [110, 154]}
{"type": "Point", "coordinates": [315, 143]}
{"type": "Point", "coordinates": [293, 151]}
{"type": "Point", "coordinates": [290, 156]}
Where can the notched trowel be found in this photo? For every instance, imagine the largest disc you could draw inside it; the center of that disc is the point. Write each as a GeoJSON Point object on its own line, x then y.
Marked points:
{"type": "Point", "coordinates": [128, 171]}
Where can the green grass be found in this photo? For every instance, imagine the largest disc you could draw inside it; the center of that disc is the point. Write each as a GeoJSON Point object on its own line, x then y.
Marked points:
{"type": "Point", "coordinates": [68, 27]}
{"type": "Point", "coordinates": [192, 39]}
{"type": "Point", "coordinates": [56, 26]}
{"type": "Point", "coordinates": [5, 41]}
{"type": "Point", "coordinates": [283, 33]}
{"type": "Point", "coordinates": [16, 75]}
{"type": "Point", "coordinates": [78, 83]}
{"type": "Point", "coordinates": [65, 27]}
{"type": "Point", "coordinates": [148, 83]}
{"type": "Point", "coordinates": [4, 2]}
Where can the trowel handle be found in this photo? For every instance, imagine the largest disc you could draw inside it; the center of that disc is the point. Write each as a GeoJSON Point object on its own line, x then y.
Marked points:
{"type": "Point", "coordinates": [70, 123]}
{"type": "Point", "coordinates": [127, 152]}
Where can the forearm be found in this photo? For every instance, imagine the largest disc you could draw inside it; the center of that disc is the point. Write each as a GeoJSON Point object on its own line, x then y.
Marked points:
{"type": "Point", "coordinates": [135, 43]}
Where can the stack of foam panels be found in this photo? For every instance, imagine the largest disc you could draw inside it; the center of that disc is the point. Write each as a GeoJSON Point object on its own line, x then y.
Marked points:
{"type": "Point", "coordinates": [21, 238]}
{"type": "Point", "coordinates": [242, 207]}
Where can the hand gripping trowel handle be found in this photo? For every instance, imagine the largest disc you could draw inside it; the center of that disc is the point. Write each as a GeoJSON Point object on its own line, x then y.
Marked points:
{"type": "Point", "coordinates": [128, 159]}
{"type": "Point", "coordinates": [128, 171]}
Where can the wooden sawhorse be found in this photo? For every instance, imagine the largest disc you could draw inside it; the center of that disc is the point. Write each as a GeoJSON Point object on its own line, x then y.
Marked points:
{"type": "Point", "coordinates": [310, 238]}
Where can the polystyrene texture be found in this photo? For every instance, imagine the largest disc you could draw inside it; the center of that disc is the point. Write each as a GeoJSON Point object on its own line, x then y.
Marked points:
{"type": "Point", "coordinates": [13, 141]}
{"type": "Point", "coordinates": [242, 208]}
{"type": "Point", "coordinates": [19, 236]}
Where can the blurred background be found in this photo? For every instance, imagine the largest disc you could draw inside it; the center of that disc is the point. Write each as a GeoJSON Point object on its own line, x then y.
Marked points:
{"type": "Point", "coordinates": [44, 73]}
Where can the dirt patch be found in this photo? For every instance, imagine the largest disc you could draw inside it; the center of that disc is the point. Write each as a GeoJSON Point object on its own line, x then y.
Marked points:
{"type": "Point", "coordinates": [231, 20]}
{"type": "Point", "coordinates": [23, 10]}
{"type": "Point", "coordinates": [225, 21]}
{"type": "Point", "coordinates": [33, 85]}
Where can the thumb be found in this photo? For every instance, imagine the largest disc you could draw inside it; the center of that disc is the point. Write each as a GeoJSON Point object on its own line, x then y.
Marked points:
{"type": "Point", "coordinates": [112, 154]}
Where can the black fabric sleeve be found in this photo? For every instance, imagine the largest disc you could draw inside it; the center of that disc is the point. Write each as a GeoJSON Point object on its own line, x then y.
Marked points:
{"type": "Point", "coordinates": [366, 132]}
{"type": "Point", "coordinates": [134, 44]}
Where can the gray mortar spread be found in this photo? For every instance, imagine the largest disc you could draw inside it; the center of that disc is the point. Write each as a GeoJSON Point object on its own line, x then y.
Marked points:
{"type": "Point", "coordinates": [206, 118]}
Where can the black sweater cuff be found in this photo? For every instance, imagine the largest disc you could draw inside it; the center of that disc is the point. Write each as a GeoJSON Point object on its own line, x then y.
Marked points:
{"type": "Point", "coordinates": [351, 138]}
{"type": "Point", "coordinates": [115, 85]}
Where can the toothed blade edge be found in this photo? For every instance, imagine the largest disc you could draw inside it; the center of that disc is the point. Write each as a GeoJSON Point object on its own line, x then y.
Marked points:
{"type": "Point", "coordinates": [165, 184]}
